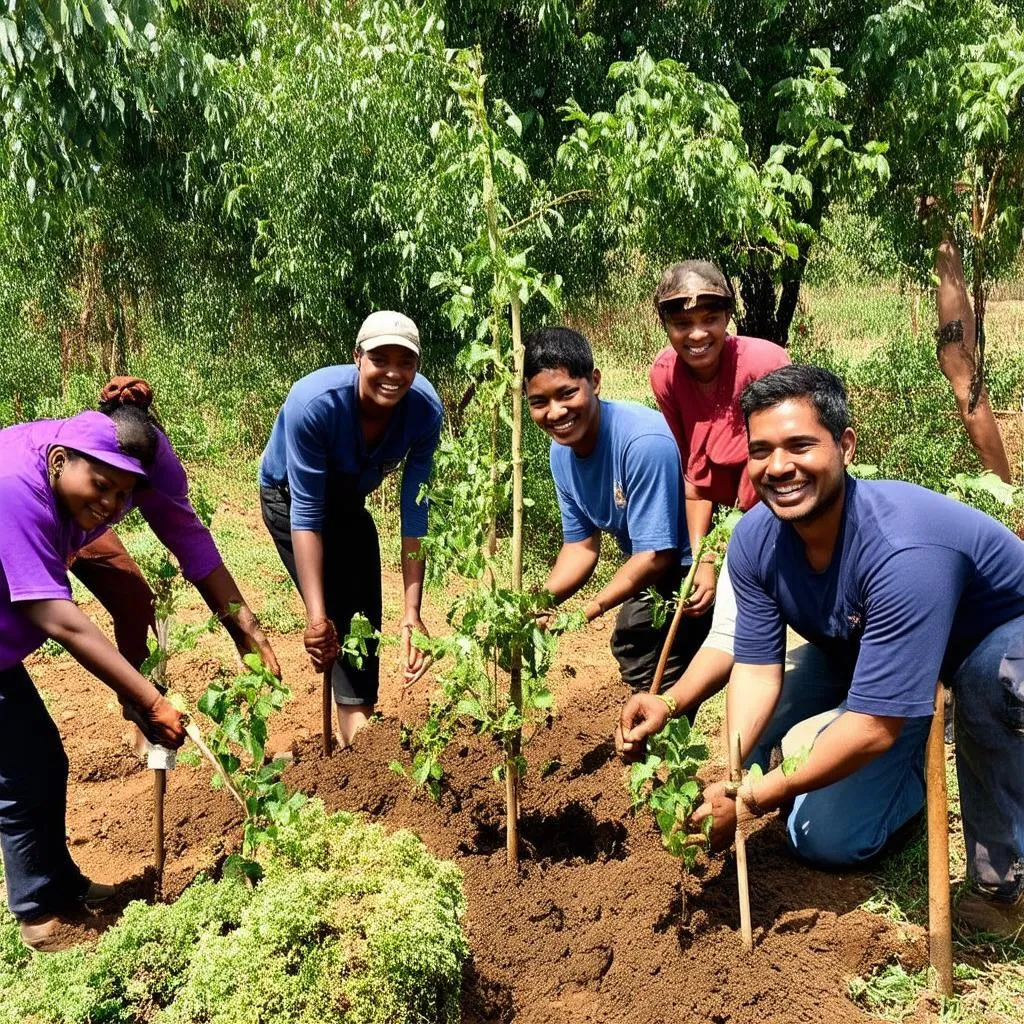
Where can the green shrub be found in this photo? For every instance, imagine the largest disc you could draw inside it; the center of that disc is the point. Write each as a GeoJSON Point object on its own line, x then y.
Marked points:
{"type": "Point", "coordinates": [351, 925]}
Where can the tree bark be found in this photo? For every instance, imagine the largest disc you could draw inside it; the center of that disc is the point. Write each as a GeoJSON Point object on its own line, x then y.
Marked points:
{"type": "Point", "coordinates": [956, 356]}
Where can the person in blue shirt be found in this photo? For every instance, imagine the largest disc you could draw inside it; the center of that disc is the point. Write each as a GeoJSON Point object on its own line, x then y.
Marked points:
{"type": "Point", "coordinates": [341, 430]}
{"type": "Point", "coordinates": [616, 470]}
{"type": "Point", "coordinates": [896, 587]}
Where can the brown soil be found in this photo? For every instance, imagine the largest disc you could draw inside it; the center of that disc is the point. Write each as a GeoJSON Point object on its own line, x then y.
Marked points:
{"type": "Point", "coordinates": [600, 926]}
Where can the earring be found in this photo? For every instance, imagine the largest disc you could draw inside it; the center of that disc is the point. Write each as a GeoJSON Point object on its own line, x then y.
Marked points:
{"type": "Point", "coordinates": [55, 472]}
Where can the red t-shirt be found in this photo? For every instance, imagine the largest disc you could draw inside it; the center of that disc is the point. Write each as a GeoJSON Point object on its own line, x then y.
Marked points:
{"type": "Point", "coordinates": [707, 421]}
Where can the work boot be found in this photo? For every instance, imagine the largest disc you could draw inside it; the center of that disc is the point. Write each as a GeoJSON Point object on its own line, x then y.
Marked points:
{"type": "Point", "coordinates": [980, 911]}
{"type": "Point", "coordinates": [98, 893]}
{"type": "Point", "coordinates": [42, 934]}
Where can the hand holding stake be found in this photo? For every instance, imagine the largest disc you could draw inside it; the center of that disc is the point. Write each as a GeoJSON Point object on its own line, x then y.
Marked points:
{"type": "Point", "coordinates": [736, 776]}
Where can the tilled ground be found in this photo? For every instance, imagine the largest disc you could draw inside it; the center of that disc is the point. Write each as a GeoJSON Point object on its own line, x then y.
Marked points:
{"type": "Point", "coordinates": [600, 926]}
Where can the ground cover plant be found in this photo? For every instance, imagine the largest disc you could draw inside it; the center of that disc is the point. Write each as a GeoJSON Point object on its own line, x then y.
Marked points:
{"type": "Point", "coordinates": [349, 924]}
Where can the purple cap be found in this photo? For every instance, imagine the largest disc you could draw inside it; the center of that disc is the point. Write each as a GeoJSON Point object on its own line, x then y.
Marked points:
{"type": "Point", "coordinates": [95, 434]}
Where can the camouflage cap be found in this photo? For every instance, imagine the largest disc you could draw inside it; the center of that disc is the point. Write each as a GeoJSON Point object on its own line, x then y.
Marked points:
{"type": "Point", "coordinates": [691, 282]}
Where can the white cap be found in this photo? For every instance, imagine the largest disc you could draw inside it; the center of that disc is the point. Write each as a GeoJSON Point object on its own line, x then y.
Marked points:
{"type": "Point", "coordinates": [387, 327]}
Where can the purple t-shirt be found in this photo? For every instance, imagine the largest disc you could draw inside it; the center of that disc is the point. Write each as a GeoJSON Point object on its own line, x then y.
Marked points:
{"type": "Point", "coordinates": [916, 582]}
{"type": "Point", "coordinates": [39, 541]}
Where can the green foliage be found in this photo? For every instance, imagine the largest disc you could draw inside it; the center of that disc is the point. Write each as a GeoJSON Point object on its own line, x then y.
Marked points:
{"type": "Point", "coordinates": [666, 783]}
{"type": "Point", "coordinates": [355, 644]}
{"type": "Point", "coordinates": [240, 709]}
{"type": "Point", "coordinates": [348, 925]}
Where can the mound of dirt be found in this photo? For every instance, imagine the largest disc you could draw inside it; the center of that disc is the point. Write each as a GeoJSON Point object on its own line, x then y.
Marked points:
{"type": "Point", "coordinates": [600, 926]}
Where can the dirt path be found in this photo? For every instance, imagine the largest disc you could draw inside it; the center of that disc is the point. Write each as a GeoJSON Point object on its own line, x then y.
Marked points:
{"type": "Point", "coordinates": [601, 926]}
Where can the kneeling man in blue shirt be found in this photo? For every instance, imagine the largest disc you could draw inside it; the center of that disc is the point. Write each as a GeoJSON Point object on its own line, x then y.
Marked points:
{"type": "Point", "coordinates": [616, 470]}
{"type": "Point", "coordinates": [897, 587]}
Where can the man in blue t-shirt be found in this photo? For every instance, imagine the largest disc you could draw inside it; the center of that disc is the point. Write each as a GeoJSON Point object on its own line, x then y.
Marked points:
{"type": "Point", "coordinates": [616, 470]}
{"type": "Point", "coordinates": [896, 587]}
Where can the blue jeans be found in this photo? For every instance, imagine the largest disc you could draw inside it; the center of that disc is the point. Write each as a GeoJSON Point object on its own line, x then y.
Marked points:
{"type": "Point", "coordinates": [850, 821]}
{"type": "Point", "coordinates": [41, 877]}
{"type": "Point", "coordinates": [988, 719]}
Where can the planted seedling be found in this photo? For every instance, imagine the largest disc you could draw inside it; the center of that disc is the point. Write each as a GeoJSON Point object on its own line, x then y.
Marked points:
{"type": "Point", "coordinates": [240, 709]}
{"type": "Point", "coordinates": [666, 784]}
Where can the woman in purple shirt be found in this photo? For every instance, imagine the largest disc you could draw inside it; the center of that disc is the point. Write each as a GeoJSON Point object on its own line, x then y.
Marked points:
{"type": "Point", "coordinates": [106, 568]}
{"type": "Point", "coordinates": [62, 484]}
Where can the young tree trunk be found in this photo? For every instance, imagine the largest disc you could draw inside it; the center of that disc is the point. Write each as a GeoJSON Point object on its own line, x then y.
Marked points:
{"type": "Point", "coordinates": [515, 676]}
{"type": "Point", "coordinates": [956, 352]}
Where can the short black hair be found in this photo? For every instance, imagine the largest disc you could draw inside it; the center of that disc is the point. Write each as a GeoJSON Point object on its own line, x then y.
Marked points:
{"type": "Point", "coordinates": [822, 388]}
{"type": "Point", "coordinates": [557, 348]}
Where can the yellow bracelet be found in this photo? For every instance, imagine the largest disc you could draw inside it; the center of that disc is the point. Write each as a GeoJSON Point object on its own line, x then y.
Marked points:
{"type": "Point", "coordinates": [669, 702]}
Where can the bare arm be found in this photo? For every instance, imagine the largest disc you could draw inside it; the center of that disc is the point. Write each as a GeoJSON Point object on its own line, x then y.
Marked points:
{"type": "Point", "coordinates": [574, 565]}
{"type": "Point", "coordinates": [848, 743]}
{"type": "Point", "coordinates": [698, 524]}
{"type": "Point", "coordinates": [220, 592]}
{"type": "Point", "coordinates": [413, 569]}
{"type": "Point", "coordinates": [750, 701]}
{"type": "Point", "coordinates": [635, 575]}
{"type": "Point", "coordinates": [309, 566]}
{"type": "Point", "coordinates": [956, 360]}
{"type": "Point", "coordinates": [65, 622]}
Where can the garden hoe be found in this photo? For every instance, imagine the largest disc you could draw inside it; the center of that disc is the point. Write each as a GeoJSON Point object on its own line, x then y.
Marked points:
{"type": "Point", "coordinates": [328, 715]}
{"type": "Point", "coordinates": [940, 929]}
{"type": "Point", "coordinates": [161, 760]}
{"type": "Point", "coordinates": [736, 777]}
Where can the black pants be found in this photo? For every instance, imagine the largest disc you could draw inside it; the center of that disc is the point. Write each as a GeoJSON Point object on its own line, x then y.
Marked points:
{"type": "Point", "coordinates": [40, 874]}
{"type": "Point", "coordinates": [637, 645]}
{"type": "Point", "coordinates": [351, 576]}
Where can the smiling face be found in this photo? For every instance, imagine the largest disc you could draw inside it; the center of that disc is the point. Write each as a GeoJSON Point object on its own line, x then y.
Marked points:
{"type": "Point", "coordinates": [697, 336]}
{"type": "Point", "coordinates": [796, 466]}
{"type": "Point", "coordinates": [385, 375]}
{"type": "Point", "coordinates": [566, 407]}
{"type": "Point", "coordinates": [92, 493]}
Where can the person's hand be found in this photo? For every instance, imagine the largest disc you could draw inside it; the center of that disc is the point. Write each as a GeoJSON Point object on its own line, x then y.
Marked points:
{"type": "Point", "coordinates": [720, 804]}
{"type": "Point", "coordinates": [161, 723]}
{"type": "Point", "coordinates": [593, 610]}
{"type": "Point", "coordinates": [249, 638]}
{"type": "Point", "coordinates": [702, 596]}
{"type": "Point", "coordinates": [412, 656]}
{"type": "Point", "coordinates": [642, 715]}
{"type": "Point", "coordinates": [321, 642]}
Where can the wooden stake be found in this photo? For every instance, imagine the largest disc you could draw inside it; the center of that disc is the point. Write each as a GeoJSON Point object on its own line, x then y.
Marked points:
{"type": "Point", "coordinates": [159, 790]}
{"type": "Point", "coordinates": [736, 775]}
{"type": "Point", "coordinates": [327, 723]}
{"type": "Point", "coordinates": [670, 638]}
{"type": "Point", "coordinates": [193, 733]}
{"type": "Point", "coordinates": [940, 928]}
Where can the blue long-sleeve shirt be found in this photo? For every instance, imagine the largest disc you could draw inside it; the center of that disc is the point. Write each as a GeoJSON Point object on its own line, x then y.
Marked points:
{"type": "Point", "coordinates": [317, 436]}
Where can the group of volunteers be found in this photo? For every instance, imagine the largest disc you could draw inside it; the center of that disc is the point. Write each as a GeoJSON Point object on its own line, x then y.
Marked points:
{"type": "Point", "coordinates": [892, 586]}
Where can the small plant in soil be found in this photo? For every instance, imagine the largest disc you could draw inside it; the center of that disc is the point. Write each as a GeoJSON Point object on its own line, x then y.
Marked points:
{"type": "Point", "coordinates": [666, 783]}
{"type": "Point", "coordinates": [240, 709]}
{"type": "Point", "coordinates": [493, 663]}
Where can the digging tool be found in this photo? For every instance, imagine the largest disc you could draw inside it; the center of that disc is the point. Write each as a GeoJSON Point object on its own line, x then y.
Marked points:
{"type": "Point", "coordinates": [940, 928]}
{"type": "Point", "coordinates": [736, 776]}
{"type": "Point", "coordinates": [160, 760]}
{"type": "Point", "coordinates": [328, 715]}
{"type": "Point", "coordinates": [670, 637]}
{"type": "Point", "coordinates": [193, 733]}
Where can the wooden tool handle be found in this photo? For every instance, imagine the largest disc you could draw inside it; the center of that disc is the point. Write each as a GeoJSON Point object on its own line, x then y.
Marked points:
{"type": "Point", "coordinates": [670, 637]}
{"type": "Point", "coordinates": [940, 927]}
{"type": "Point", "coordinates": [193, 733]}
{"type": "Point", "coordinates": [327, 722]}
{"type": "Point", "coordinates": [159, 790]}
{"type": "Point", "coordinates": [736, 775]}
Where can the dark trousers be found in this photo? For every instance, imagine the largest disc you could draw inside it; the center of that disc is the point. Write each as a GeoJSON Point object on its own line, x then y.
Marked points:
{"type": "Point", "coordinates": [351, 576]}
{"type": "Point", "coordinates": [41, 877]}
{"type": "Point", "coordinates": [637, 645]}
{"type": "Point", "coordinates": [114, 579]}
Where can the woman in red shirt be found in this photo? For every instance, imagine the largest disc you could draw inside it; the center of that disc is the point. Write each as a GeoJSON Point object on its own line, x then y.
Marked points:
{"type": "Point", "coordinates": [697, 382]}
